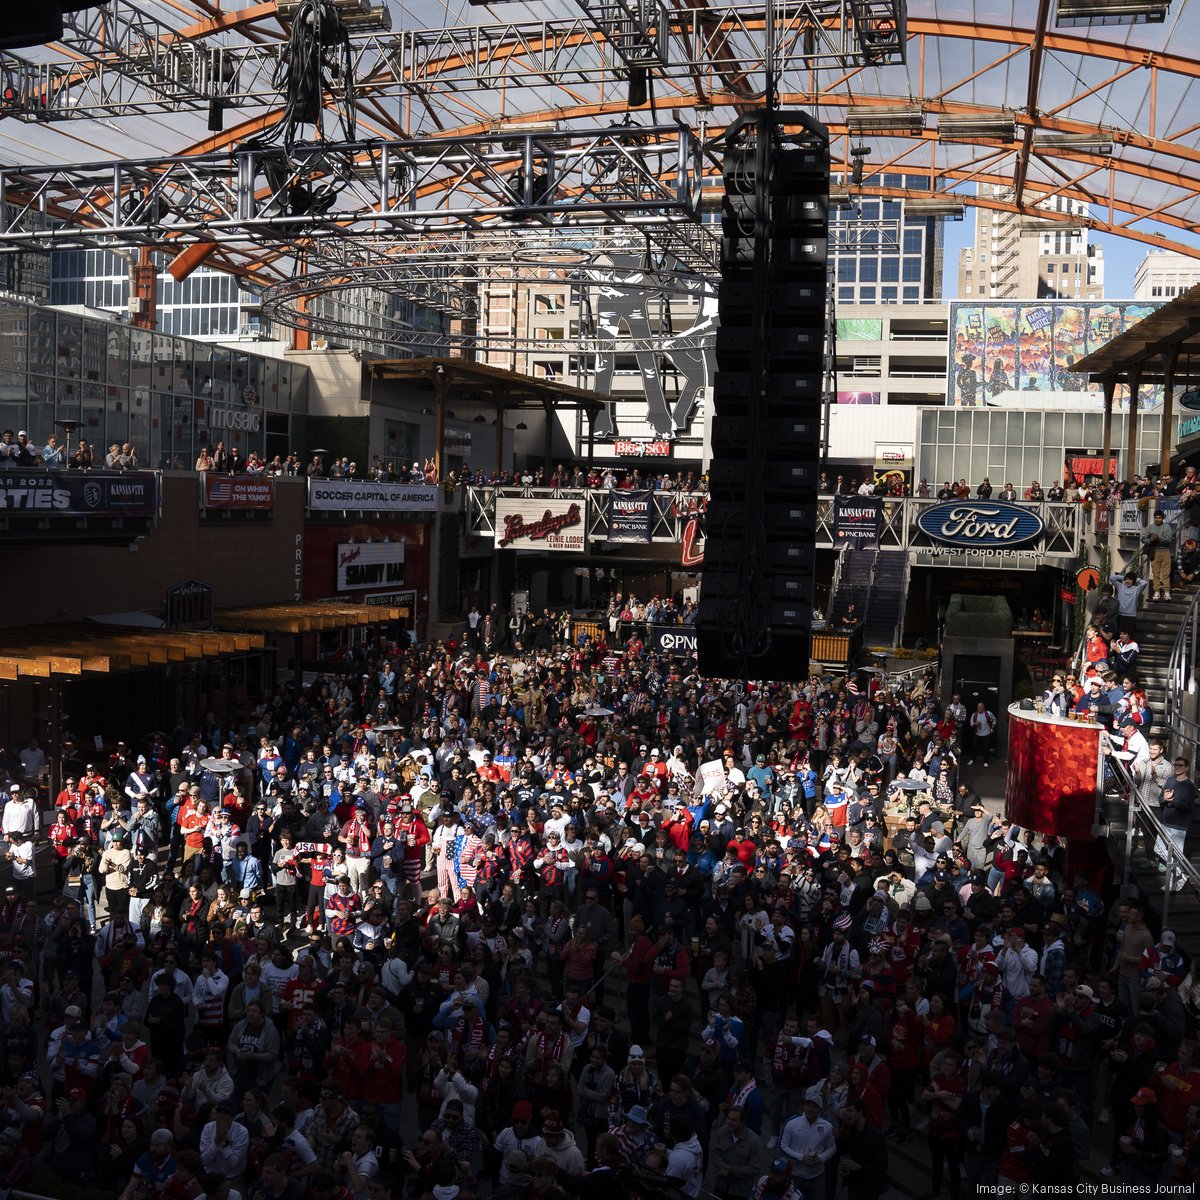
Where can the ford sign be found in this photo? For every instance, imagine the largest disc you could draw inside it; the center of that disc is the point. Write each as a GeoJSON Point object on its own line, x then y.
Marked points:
{"type": "Point", "coordinates": [980, 524]}
{"type": "Point", "coordinates": [1189, 399]}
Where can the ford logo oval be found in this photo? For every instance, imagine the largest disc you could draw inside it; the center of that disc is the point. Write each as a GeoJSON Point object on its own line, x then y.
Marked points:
{"type": "Point", "coordinates": [980, 524]}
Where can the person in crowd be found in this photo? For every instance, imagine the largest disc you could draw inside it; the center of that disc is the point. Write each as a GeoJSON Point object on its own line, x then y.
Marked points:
{"type": "Point", "coordinates": [665, 928]}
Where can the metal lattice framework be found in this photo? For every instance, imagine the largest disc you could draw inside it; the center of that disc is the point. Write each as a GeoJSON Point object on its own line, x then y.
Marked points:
{"type": "Point", "coordinates": [263, 194]}
{"type": "Point", "coordinates": [1102, 116]}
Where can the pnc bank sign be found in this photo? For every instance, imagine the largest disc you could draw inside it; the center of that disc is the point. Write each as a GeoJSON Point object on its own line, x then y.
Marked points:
{"type": "Point", "coordinates": [981, 524]}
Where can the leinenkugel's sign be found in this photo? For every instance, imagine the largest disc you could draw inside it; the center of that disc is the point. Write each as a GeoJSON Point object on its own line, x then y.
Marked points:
{"type": "Point", "coordinates": [980, 524]}
{"type": "Point", "coordinates": [535, 523]}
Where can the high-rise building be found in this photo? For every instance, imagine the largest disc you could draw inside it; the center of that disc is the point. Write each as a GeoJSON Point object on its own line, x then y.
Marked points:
{"type": "Point", "coordinates": [883, 255]}
{"type": "Point", "coordinates": [1163, 274]}
{"type": "Point", "coordinates": [1016, 256]}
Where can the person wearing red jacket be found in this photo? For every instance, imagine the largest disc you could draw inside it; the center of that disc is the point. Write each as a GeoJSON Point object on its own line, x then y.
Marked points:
{"type": "Point", "coordinates": [638, 961]}
{"type": "Point", "coordinates": [1178, 1088]}
{"type": "Point", "coordinates": [745, 848]}
{"type": "Point", "coordinates": [384, 1074]}
{"type": "Point", "coordinates": [60, 836]}
{"type": "Point", "coordinates": [944, 1096]}
{"type": "Point", "coordinates": [904, 1061]}
{"type": "Point", "coordinates": [679, 829]}
{"type": "Point", "coordinates": [349, 1060]}
{"type": "Point", "coordinates": [414, 833]}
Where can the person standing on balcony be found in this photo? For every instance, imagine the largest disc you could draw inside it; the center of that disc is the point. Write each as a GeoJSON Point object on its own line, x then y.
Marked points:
{"type": "Point", "coordinates": [1157, 542]}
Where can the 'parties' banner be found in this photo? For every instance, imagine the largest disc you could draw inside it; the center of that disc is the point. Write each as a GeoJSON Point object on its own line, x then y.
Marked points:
{"type": "Point", "coordinates": [857, 520]}
{"type": "Point", "coordinates": [55, 494]}
{"type": "Point", "coordinates": [238, 492]}
{"type": "Point", "coordinates": [364, 495]}
{"type": "Point", "coordinates": [629, 516]}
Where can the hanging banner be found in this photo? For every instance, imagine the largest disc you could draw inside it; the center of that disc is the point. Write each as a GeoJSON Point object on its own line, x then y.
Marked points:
{"type": "Point", "coordinates": [629, 516]}
{"type": "Point", "coordinates": [1084, 468]}
{"type": "Point", "coordinates": [679, 641]}
{"type": "Point", "coordinates": [1131, 518]}
{"type": "Point", "coordinates": [534, 523]}
{"type": "Point", "coordinates": [1100, 518]}
{"type": "Point", "coordinates": [857, 520]}
{"type": "Point", "coordinates": [369, 565]}
{"type": "Point", "coordinates": [238, 492]}
{"type": "Point", "coordinates": [360, 495]}
{"type": "Point", "coordinates": [56, 494]}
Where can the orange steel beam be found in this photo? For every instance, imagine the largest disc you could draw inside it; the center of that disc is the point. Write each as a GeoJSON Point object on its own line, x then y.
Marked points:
{"type": "Point", "coordinates": [1031, 99]}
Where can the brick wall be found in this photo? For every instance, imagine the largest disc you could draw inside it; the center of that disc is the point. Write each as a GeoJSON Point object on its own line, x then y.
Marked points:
{"type": "Point", "coordinates": [246, 563]}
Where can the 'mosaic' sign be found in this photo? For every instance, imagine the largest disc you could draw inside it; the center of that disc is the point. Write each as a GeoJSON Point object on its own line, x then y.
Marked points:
{"type": "Point", "coordinates": [981, 524]}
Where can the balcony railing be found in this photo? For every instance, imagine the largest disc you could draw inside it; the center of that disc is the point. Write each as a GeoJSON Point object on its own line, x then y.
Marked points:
{"type": "Point", "coordinates": [1063, 524]}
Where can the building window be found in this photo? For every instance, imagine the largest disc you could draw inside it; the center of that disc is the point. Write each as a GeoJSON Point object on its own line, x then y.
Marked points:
{"type": "Point", "coordinates": [400, 441]}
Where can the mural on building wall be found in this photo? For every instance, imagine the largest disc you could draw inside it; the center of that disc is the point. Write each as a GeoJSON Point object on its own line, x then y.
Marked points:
{"type": "Point", "coordinates": [676, 371]}
{"type": "Point", "coordinates": [859, 397]}
{"type": "Point", "coordinates": [1021, 354]}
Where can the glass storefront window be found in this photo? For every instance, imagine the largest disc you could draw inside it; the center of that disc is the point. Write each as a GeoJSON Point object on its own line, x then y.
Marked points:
{"type": "Point", "coordinates": [92, 413]}
{"type": "Point", "coordinates": [69, 347]}
{"type": "Point", "coordinates": [117, 339]}
{"type": "Point", "coordinates": [133, 385]}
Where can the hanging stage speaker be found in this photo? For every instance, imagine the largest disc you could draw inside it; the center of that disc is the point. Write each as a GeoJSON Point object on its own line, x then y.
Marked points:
{"type": "Point", "coordinates": [756, 588]}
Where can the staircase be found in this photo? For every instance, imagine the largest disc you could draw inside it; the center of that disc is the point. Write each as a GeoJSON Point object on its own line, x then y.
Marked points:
{"type": "Point", "coordinates": [887, 598]}
{"type": "Point", "coordinates": [1158, 627]}
{"type": "Point", "coordinates": [856, 583]}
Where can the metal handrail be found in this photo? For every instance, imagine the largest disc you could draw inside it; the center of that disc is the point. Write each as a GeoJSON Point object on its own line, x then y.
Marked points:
{"type": "Point", "coordinates": [1181, 681]}
{"type": "Point", "coordinates": [1144, 817]}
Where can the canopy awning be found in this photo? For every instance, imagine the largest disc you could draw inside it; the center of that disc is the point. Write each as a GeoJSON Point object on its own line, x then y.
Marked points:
{"type": "Point", "coordinates": [508, 389]}
{"type": "Point", "coordinates": [76, 649]}
{"type": "Point", "coordinates": [310, 617]}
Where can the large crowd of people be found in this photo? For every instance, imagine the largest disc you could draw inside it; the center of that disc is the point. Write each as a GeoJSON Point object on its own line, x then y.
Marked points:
{"type": "Point", "coordinates": [547, 920]}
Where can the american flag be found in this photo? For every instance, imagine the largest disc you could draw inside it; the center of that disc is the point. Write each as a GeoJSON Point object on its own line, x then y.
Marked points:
{"type": "Point", "coordinates": [220, 491]}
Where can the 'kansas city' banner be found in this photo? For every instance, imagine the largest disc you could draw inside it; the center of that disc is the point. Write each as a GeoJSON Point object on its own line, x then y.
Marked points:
{"type": "Point", "coordinates": [857, 520]}
{"type": "Point", "coordinates": [629, 516]}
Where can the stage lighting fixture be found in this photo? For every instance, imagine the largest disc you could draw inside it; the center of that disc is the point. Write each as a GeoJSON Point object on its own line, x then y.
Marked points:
{"type": "Point", "coordinates": [1072, 13]}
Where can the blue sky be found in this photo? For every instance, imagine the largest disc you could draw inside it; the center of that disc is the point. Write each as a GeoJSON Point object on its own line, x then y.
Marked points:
{"type": "Point", "coordinates": [1121, 257]}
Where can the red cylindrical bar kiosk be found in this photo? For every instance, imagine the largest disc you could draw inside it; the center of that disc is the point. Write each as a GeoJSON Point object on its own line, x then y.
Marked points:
{"type": "Point", "coordinates": [1055, 783]}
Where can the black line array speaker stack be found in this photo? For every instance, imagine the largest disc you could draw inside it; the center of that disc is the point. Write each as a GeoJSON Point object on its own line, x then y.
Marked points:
{"type": "Point", "coordinates": [756, 587]}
